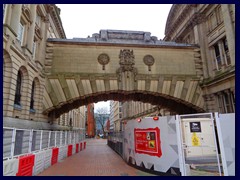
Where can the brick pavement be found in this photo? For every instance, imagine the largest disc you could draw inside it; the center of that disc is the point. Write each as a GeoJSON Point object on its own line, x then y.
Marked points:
{"type": "Point", "coordinates": [98, 159]}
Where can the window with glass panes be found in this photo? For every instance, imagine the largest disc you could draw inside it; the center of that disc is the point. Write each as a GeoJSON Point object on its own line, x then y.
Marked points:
{"type": "Point", "coordinates": [32, 96]}
{"type": "Point", "coordinates": [226, 102]}
{"type": "Point", "coordinates": [20, 33]}
{"type": "Point", "coordinates": [217, 56]}
{"type": "Point", "coordinates": [226, 51]}
{"type": "Point", "coordinates": [17, 99]}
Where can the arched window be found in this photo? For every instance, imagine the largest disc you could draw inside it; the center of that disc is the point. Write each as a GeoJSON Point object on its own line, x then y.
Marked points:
{"type": "Point", "coordinates": [32, 98]}
{"type": "Point", "coordinates": [17, 99]}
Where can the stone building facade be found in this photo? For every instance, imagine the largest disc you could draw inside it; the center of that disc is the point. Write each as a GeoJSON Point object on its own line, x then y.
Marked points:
{"type": "Point", "coordinates": [74, 119]}
{"type": "Point", "coordinates": [115, 115]}
{"type": "Point", "coordinates": [26, 27]}
{"type": "Point", "coordinates": [212, 27]}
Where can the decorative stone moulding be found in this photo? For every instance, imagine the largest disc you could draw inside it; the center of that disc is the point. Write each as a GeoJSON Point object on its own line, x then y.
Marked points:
{"type": "Point", "coordinates": [149, 61]}
{"type": "Point", "coordinates": [103, 59]}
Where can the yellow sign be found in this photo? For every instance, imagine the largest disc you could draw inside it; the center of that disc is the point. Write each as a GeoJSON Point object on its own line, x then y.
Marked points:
{"type": "Point", "coordinates": [151, 144]}
{"type": "Point", "coordinates": [195, 140]}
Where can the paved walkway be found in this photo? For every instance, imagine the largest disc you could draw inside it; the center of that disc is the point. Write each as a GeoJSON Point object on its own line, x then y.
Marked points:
{"type": "Point", "coordinates": [98, 159]}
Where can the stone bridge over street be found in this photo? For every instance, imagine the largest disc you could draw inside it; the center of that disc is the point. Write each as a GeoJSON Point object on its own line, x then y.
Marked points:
{"type": "Point", "coordinates": [122, 65]}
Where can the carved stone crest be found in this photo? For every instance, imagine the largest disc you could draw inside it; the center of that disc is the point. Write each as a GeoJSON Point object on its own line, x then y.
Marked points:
{"type": "Point", "coordinates": [149, 61]}
{"type": "Point", "coordinates": [126, 59]}
{"type": "Point", "coordinates": [103, 59]}
{"type": "Point", "coordinates": [126, 62]}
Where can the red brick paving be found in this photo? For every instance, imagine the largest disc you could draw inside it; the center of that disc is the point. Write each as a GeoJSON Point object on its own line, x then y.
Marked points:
{"type": "Point", "coordinates": [98, 159]}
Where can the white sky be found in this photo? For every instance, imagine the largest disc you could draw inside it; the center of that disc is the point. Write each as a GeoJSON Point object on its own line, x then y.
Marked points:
{"type": "Point", "coordinates": [82, 20]}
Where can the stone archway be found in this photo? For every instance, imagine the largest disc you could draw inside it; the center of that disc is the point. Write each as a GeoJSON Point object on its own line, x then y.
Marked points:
{"type": "Point", "coordinates": [114, 66]}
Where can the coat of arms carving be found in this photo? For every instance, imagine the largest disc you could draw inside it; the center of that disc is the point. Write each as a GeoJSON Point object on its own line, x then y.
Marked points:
{"type": "Point", "coordinates": [126, 62]}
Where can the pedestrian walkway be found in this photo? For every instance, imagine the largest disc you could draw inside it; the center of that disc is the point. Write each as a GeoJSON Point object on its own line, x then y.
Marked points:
{"type": "Point", "coordinates": [98, 159]}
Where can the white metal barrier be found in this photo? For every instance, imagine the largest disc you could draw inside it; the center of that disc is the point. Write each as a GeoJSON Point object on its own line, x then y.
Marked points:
{"type": "Point", "coordinates": [62, 152]}
{"type": "Point", "coordinates": [10, 167]}
{"type": "Point", "coordinates": [74, 149]}
{"type": "Point", "coordinates": [39, 162]}
{"type": "Point", "coordinates": [21, 141]}
{"type": "Point", "coordinates": [18, 142]}
{"type": "Point", "coordinates": [47, 158]}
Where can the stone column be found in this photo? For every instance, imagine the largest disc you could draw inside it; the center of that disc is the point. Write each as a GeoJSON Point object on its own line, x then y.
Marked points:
{"type": "Point", "coordinates": [230, 31]}
{"type": "Point", "coordinates": [8, 14]}
{"type": "Point", "coordinates": [31, 30]}
{"type": "Point", "coordinates": [16, 17]}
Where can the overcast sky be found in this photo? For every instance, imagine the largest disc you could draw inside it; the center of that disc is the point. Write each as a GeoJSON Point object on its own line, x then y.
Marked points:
{"type": "Point", "coordinates": [83, 20]}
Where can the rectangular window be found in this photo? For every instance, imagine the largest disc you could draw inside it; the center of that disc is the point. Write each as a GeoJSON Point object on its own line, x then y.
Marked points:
{"type": "Point", "coordinates": [226, 51]}
{"type": "Point", "coordinates": [121, 126]}
{"type": "Point", "coordinates": [226, 102]}
{"type": "Point", "coordinates": [217, 57]}
{"type": "Point", "coordinates": [20, 33]}
{"type": "Point", "coordinates": [214, 20]}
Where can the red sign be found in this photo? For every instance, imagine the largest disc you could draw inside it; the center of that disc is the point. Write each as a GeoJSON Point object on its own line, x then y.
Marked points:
{"type": "Point", "coordinates": [147, 141]}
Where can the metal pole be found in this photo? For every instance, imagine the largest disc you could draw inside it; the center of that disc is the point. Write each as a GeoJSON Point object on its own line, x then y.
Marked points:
{"type": "Point", "coordinates": [13, 143]}
{"type": "Point", "coordinates": [30, 141]}
{"type": "Point", "coordinates": [60, 138]}
{"type": "Point", "coordinates": [222, 149]}
{"type": "Point", "coordinates": [41, 139]}
{"type": "Point", "coordinates": [55, 138]}
{"type": "Point", "coordinates": [180, 146]}
{"type": "Point", "coordinates": [49, 137]}
{"type": "Point", "coordinates": [215, 142]}
{"type": "Point", "coordinates": [65, 137]}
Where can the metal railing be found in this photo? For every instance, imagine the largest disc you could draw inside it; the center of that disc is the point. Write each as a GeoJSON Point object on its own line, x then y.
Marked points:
{"type": "Point", "coordinates": [115, 141]}
{"type": "Point", "coordinates": [116, 136]}
{"type": "Point", "coordinates": [22, 141]}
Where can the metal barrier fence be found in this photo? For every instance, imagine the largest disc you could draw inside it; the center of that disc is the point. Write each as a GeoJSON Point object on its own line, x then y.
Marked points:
{"type": "Point", "coordinates": [21, 141]}
{"type": "Point", "coordinates": [116, 136]}
{"type": "Point", "coordinates": [115, 141]}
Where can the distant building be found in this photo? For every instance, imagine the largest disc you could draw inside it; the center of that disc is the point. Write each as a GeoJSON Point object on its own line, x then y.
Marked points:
{"type": "Point", "coordinates": [75, 119]}
{"type": "Point", "coordinates": [91, 124]}
{"type": "Point", "coordinates": [115, 116]}
{"type": "Point", "coordinates": [107, 126]}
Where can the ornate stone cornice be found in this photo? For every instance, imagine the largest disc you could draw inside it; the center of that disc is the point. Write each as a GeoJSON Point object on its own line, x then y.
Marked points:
{"type": "Point", "coordinates": [53, 11]}
{"type": "Point", "coordinates": [173, 24]}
